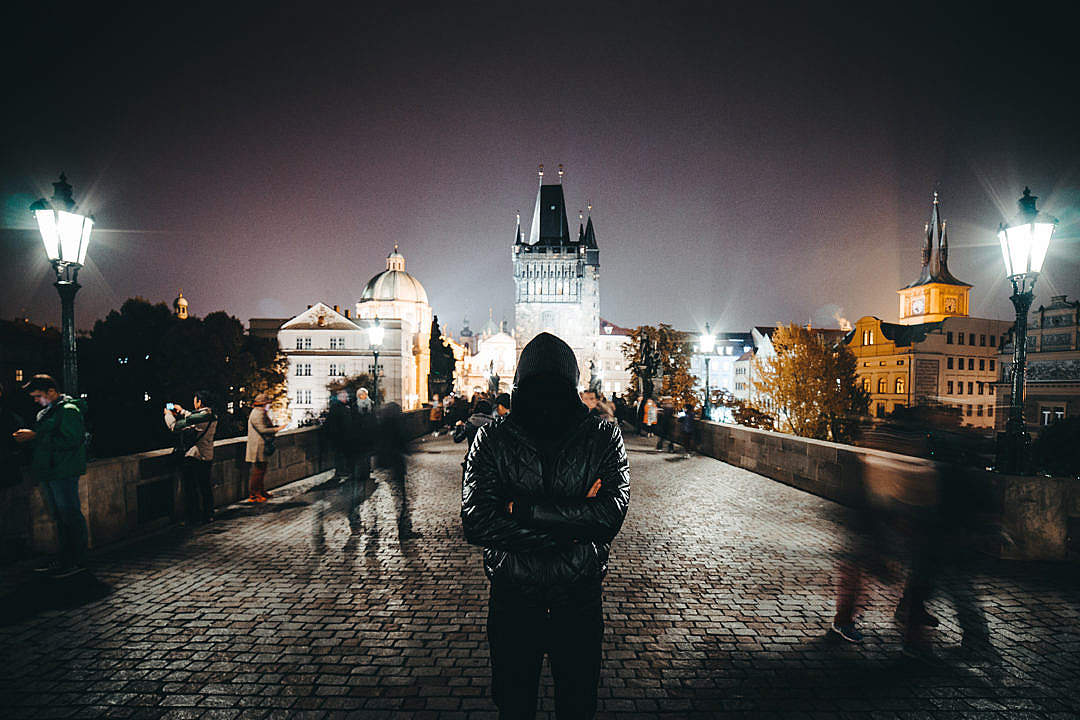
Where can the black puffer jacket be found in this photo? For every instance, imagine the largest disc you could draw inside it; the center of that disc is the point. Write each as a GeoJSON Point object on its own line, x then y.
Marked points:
{"type": "Point", "coordinates": [546, 462]}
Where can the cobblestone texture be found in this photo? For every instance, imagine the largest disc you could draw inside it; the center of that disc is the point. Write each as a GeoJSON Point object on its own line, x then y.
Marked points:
{"type": "Point", "coordinates": [717, 605]}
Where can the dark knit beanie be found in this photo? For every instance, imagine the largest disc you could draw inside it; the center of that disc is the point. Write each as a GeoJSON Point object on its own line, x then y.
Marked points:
{"type": "Point", "coordinates": [547, 354]}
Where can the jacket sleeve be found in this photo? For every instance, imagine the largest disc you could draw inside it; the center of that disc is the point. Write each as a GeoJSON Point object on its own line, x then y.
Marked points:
{"type": "Point", "coordinates": [260, 424]}
{"type": "Point", "coordinates": [596, 519]}
{"type": "Point", "coordinates": [190, 419]}
{"type": "Point", "coordinates": [459, 433]}
{"type": "Point", "coordinates": [483, 508]}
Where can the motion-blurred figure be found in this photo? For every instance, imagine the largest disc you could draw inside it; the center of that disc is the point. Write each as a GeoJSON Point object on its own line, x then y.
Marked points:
{"type": "Point", "coordinates": [390, 454]}
{"type": "Point", "coordinates": [466, 430]}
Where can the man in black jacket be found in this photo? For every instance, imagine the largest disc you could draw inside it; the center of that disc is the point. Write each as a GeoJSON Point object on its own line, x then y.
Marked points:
{"type": "Point", "coordinates": [545, 492]}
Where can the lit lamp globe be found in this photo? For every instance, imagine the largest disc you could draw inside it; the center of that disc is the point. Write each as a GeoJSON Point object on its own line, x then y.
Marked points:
{"type": "Point", "coordinates": [376, 333]}
{"type": "Point", "coordinates": [1024, 243]}
{"type": "Point", "coordinates": [66, 234]}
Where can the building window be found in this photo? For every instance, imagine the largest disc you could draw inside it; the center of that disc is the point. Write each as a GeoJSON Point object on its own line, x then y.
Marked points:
{"type": "Point", "coordinates": [971, 338]}
{"type": "Point", "coordinates": [990, 408]}
{"type": "Point", "coordinates": [18, 376]}
{"type": "Point", "coordinates": [950, 390]}
{"type": "Point", "coordinates": [307, 343]}
{"type": "Point", "coordinates": [299, 343]}
{"type": "Point", "coordinates": [982, 364]}
{"type": "Point", "coordinates": [980, 388]}
{"type": "Point", "coordinates": [880, 410]}
{"type": "Point", "coordinates": [960, 337]}
{"type": "Point", "coordinates": [971, 388]}
{"type": "Point", "coordinates": [968, 411]}
{"type": "Point", "coordinates": [948, 338]}
{"type": "Point", "coordinates": [866, 384]}
{"type": "Point", "coordinates": [993, 340]}
{"type": "Point", "coordinates": [949, 363]}
{"type": "Point", "coordinates": [979, 410]}
{"type": "Point", "coordinates": [960, 387]}
{"type": "Point", "coordinates": [971, 363]}
{"type": "Point", "coordinates": [982, 340]}
{"type": "Point", "coordinates": [868, 337]}
{"type": "Point", "coordinates": [899, 386]}
{"type": "Point", "coordinates": [992, 363]}
{"type": "Point", "coordinates": [899, 362]}
{"type": "Point", "coordinates": [882, 386]}
{"type": "Point", "coordinates": [1051, 415]}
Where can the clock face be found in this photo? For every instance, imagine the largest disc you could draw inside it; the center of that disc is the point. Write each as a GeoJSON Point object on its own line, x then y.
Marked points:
{"type": "Point", "coordinates": [950, 304]}
{"type": "Point", "coordinates": [917, 306]}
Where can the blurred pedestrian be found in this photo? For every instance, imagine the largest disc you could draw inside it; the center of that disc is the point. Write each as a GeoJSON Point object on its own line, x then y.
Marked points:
{"type": "Point", "coordinates": [545, 492]}
{"type": "Point", "coordinates": [260, 445]}
{"type": "Point", "coordinates": [502, 405]}
{"type": "Point", "coordinates": [435, 416]}
{"type": "Point", "coordinates": [390, 454]}
{"type": "Point", "coordinates": [339, 431]}
{"type": "Point", "coordinates": [686, 427]}
{"type": "Point", "coordinates": [196, 428]}
{"type": "Point", "coordinates": [59, 458]}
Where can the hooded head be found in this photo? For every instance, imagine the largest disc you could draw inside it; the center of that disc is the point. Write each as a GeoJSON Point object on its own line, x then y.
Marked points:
{"type": "Point", "coordinates": [545, 400]}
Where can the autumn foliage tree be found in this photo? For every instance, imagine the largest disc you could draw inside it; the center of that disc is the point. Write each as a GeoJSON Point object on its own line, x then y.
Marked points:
{"type": "Point", "coordinates": [810, 386]}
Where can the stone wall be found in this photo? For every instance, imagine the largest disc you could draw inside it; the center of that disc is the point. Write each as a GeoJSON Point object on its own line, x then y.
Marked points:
{"type": "Point", "coordinates": [125, 497]}
{"type": "Point", "coordinates": [1033, 512]}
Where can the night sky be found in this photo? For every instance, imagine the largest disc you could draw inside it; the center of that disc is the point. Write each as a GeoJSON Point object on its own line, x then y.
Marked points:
{"type": "Point", "coordinates": [746, 165]}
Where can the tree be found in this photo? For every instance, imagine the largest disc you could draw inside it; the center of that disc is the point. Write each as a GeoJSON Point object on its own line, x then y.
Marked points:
{"type": "Point", "coordinates": [810, 386]}
{"type": "Point", "coordinates": [441, 376]}
{"type": "Point", "coordinates": [743, 412]}
{"type": "Point", "coordinates": [672, 358]}
{"type": "Point", "coordinates": [142, 356]}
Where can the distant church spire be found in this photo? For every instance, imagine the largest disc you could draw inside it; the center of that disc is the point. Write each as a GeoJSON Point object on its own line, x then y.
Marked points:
{"type": "Point", "coordinates": [581, 226]}
{"type": "Point", "coordinates": [534, 231]}
{"type": "Point", "coordinates": [518, 238]}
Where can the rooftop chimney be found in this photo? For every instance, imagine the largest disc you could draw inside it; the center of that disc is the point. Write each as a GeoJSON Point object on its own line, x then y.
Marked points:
{"type": "Point", "coordinates": [337, 309]}
{"type": "Point", "coordinates": [347, 315]}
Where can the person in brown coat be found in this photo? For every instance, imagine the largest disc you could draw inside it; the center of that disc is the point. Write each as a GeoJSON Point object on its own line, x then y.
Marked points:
{"type": "Point", "coordinates": [260, 428]}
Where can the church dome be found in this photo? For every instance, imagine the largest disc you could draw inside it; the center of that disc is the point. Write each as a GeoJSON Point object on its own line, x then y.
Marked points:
{"type": "Point", "coordinates": [394, 284]}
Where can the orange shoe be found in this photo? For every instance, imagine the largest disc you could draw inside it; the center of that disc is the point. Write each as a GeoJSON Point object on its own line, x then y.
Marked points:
{"type": "Point", "coordinates": [253, 498]}
{"type": "Point", "coordinates": [260, 498]}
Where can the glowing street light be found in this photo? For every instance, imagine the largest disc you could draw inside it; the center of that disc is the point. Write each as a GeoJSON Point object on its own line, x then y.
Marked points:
{"type": "Point", "coordinates": [1024, 242]}
{"type": "Point", "coordinates": [66, 234]}
{"type": "Point", "coordinates": [375, 340]}
{"type": "Point", "coordinates": [707, 343]}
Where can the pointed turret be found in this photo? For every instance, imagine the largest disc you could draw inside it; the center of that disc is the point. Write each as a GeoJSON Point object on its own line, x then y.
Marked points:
{"type": "Point", "coordinates": [534, 230]}
{"type": "Point", "coordinates": [581, 227]}
{"type": "Point", "coordinates": [935, 252]}
{"type": "Point", "coordinates": [519, 239]}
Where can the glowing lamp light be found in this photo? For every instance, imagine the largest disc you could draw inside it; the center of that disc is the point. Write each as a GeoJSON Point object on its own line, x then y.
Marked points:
{"type": "Point", "coordinates": [65, 233]}
{"type": "Point", "coordinates": [1025, 240]}
{"type": "Point", "coordinates": [375, 334]}
{"type": "Point", "coordinates": [707, 341]}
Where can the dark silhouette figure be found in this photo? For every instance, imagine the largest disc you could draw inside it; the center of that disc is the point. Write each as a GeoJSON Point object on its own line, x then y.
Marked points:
{"type": "Point", "coordinates": [545, 492]}
{"type": "Point", "coordinates": [392, 448]}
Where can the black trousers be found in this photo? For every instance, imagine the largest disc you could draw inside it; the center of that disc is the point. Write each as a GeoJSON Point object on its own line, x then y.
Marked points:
{"type": "Point", "coordinates": [198, 493]}
{"type": "Point", "coordinates": [521, 631]}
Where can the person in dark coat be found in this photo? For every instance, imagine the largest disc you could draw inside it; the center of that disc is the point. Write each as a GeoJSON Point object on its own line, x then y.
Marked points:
{"type": "Point", "coordinates": [544, 492]}
{"type": "Point", "coordinates": [391, 449]}
{"type": "Point", "coordinates": [466, 430]}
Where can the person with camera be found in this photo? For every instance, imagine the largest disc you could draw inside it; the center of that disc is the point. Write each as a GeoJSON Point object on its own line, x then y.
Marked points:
{"type": "Point", "coordinates": [196, 428]}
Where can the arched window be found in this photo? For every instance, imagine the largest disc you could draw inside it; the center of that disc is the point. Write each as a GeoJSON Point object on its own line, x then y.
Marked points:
{"type": "Point", "coordinates": [900, 386]}
{"type": "Point", "coordinates": [866, 384]}
{"type": "Point", "coordinates": [882, 386]}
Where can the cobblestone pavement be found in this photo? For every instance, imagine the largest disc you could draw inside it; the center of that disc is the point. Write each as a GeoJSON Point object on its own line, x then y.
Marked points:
{"type": "Point", "coordinates": [717, 605]}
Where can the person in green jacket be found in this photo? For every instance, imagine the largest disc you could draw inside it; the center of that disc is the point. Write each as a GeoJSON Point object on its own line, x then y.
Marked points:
{"type": "Point", "coordinates": [59, 458]}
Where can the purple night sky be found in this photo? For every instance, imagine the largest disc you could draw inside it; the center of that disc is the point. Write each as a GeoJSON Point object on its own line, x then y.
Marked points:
{"type": "Point", "coordinates": [746, 166]}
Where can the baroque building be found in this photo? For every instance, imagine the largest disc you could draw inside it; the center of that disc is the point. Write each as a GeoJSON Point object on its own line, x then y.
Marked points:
{"type": "Point", "coordinates": [937, 354]}
{"type": "Point", "coordinates": [557, 277]}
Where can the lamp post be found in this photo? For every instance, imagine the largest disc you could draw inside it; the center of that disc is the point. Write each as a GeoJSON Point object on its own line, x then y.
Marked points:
{"type": "Point", "coordinates": [707, 343]}
{"type": "Point", "coordinates": [1024, 242]}
{"type": "Point", "coordinates": [375, 338]}
{"type": "Point", "coordinates": [66, 234]}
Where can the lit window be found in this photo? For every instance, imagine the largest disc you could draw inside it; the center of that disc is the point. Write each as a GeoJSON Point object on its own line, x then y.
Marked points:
{"type": "Point", "coordinates": [882, 386]}
{"type": "Point", "coordinates": [899, 386]}
{"type": "Point", "coordinates": [18, 376]}
{"type": "Point", "coordinates": [866, 385]}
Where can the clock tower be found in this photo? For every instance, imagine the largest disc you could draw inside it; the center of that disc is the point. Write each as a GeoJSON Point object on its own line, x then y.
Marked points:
{"type": "Point", "coordinates": [936, 295]}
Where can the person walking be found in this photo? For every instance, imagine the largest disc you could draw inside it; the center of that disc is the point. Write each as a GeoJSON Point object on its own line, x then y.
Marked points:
{"type": "Point", "coordinates": [435, 416]}
{"type": "Point", "coordinates": [391, 450]}
{"type": "Point", "coordinates": [59, 458]}
{"type": "Point", "coordinates": [196, 428]}
{"type": "Point", "coordinates": [544, 494]}
{"type": "Point", "coordinates": [467, 429]}
{"type": "Point", "coordinates": [649, 417]}
{"type": "Point", "coordinates": [339, 433]}
{"type": "Point", "coordinates": [260, 430]}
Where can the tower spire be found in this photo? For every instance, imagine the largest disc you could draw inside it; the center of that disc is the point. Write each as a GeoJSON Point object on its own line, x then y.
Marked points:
{"type": "Point", "coordinates": [534, 231]}
{"type": "Point", "coordinates": [581, 226]}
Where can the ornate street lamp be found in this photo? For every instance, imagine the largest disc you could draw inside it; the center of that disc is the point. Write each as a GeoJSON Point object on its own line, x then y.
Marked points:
{"type": "Point", "coordinates": [66, 234]}
{"type": "Point", "coordinates": [707, 343]}
{"type": "Point", "coordinates": [1024, 242]}
{"type": "Point", "coordinates": [375, 339]}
